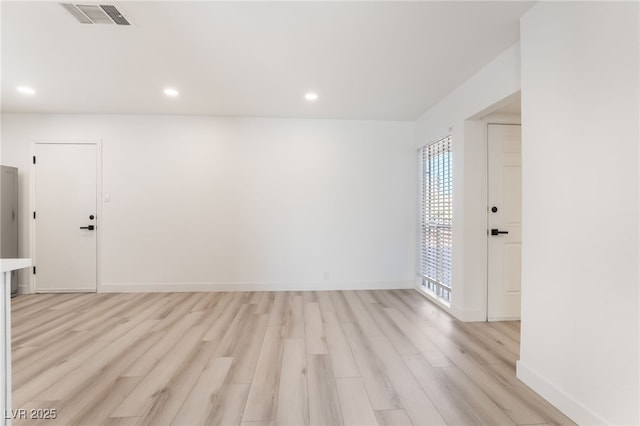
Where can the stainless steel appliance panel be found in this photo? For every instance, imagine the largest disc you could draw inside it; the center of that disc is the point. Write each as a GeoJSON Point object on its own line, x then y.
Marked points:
{"type": "Point", "coordinates": [9, 218]}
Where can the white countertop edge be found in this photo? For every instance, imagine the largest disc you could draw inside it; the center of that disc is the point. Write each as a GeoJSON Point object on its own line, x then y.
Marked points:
{"type": "Point", "coordinates": [7, 265]}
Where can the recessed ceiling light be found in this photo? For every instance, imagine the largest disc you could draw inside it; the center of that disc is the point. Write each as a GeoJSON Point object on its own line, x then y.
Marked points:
{"type": "Point", "coordinates": [26, 90]}
{"type": "Point", "coordinates": [311, 96]}
{"type": "Point", "coordinates": [170, 91]}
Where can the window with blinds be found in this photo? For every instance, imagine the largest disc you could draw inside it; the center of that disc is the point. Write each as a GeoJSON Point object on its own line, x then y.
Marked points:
{"type": "Point", "coordinates": [436, 218]}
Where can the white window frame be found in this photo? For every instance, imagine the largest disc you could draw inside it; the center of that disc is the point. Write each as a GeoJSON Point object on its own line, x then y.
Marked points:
{"type": "Point", "coordinates": [436, 219]}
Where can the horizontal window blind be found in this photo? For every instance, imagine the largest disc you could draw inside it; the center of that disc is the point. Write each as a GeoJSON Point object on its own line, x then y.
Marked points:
{"type": "Point", "coordinates": [436, 214]}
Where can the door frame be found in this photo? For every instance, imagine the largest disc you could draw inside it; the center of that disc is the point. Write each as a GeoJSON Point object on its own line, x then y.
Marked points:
{"type": "Point", "coordinates": [494, 119]}
{"type": "Point", "coordinates": [32, 203]}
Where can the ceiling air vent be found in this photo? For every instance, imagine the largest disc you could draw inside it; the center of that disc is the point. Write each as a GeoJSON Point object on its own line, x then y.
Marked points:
{"type": "Point", "coordinates": [114, 14]}
{"type": "Point", "coordinates": [95, 14]}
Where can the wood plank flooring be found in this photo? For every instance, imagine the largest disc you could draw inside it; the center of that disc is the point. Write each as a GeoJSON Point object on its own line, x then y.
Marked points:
{"type": "Point", "coordinates": [387, 357]}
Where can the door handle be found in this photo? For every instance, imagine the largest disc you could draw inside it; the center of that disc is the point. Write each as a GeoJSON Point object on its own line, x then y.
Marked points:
{"type": "Point", "coordinates": [497, 232]}
{"type": "Point", "coordinates": [90, 227]}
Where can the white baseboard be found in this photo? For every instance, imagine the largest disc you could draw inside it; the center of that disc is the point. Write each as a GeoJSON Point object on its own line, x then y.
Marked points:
{"type": "Point", "coordinates": [517, 318]}
{"type": "Point", "coordinates": [469, 315]}
{"type": "Point", "coordinates": [464, 316]}
{"type": "Point", "coordinates": [251, 286]}
{"type": "Point", "coordinates": [564, 402]}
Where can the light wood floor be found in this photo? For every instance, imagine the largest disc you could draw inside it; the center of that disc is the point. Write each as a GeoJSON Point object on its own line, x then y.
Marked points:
{"type": "Point", "coordinates": [290, 358]}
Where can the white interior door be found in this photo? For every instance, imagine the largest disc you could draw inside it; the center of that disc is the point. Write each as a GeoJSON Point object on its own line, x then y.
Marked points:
{"type": "Point", "coordinates": [505, 221]}
{"type": "Point", "coordinates": [65, 203]}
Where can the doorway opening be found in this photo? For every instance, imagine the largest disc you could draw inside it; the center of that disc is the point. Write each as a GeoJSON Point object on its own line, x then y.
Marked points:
{"type": "Point", "coordinates": [503, 133]}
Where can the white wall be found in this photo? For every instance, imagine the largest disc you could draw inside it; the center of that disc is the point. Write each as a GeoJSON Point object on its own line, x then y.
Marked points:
{"type": "Point", "coordinates": [580, 110]}
{"type": "Point", "coordinates": [202, 203]}
{"type": "Point", "coordinates": [460, 114]}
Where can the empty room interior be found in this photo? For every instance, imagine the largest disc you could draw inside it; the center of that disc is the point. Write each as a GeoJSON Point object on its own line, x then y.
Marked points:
{"type": "Point", "coordinates": [320, 213]}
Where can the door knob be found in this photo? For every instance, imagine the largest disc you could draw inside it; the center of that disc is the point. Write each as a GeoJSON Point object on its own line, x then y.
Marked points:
{"type": "Point", "coordinates": [497, 232]}
{"type": "Point", "coordinates": [90, 227]}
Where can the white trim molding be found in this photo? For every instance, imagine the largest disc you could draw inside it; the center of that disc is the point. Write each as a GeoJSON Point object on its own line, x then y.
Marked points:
{"type": "Point", "coordinates": [461, 315]}
{"type": "Point", "coordinates": [564, 402]}
{"type": "Point", "coordinates": [252, 286]}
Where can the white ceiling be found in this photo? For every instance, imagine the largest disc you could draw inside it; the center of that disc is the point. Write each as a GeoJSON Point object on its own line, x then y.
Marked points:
{"type": "Point", "coordinates": [366, 60]}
